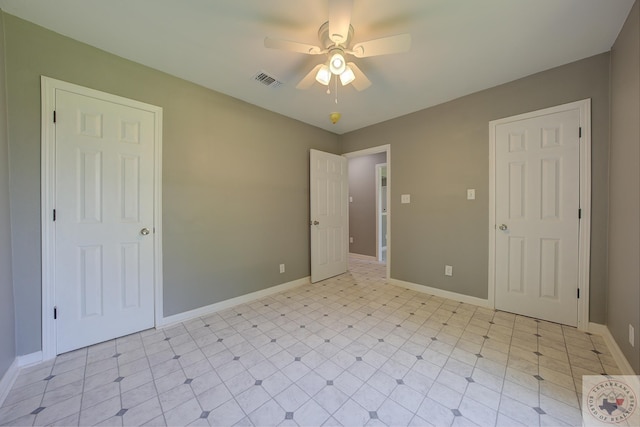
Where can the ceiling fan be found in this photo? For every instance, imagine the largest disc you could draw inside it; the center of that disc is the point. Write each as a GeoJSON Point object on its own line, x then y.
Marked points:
{"type": "Point", "coordinates": [335, 37]}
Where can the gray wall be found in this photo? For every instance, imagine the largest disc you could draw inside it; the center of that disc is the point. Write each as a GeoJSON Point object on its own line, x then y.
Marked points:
{"type": "Point", "coordinates": [235, 177]}
{"type": "Point", "coordinates": [624, 191]}
{"type": "Point", "coordinates": [362, 211]}
{"type": "Point", "coordinates": [7, 315]}
{"type": "Point", "coordinates": [437, 153]}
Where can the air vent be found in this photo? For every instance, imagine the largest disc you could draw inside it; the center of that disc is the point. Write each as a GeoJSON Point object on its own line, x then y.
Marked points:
{"type": "Point", "coordinates": [266, 79]}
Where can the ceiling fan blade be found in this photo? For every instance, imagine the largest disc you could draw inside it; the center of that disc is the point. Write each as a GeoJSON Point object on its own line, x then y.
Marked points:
{"type": "Point", "coordinates": [339, 20]}
{"type": "Point", "coordinates": [361, 81]}
{"type": "Point", "coordinates": [292, 46]}
{"type": "Point", "coordinates": [309, 79]}
{"type": "Point", "coordinates": [384, 46]}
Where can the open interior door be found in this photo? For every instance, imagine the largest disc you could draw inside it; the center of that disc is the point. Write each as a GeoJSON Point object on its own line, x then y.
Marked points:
{"type": "Point", "coordinates": [329, 215]}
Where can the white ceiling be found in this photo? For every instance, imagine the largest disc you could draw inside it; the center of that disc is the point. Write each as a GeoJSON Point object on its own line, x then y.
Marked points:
{"type": "Point", "coordinates": [458, 46]}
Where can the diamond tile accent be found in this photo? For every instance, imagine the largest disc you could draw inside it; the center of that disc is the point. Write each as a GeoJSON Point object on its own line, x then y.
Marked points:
{"type": "Point", "coordinates": [38, 410]}
{"type": "Point", "coordinates": [486, 337]}
{"type": "Point", "coordinates": [236, 358]}
{"type": "Point", "coordinates": [399, 381]}
{"type": "Point", "coordinates": [297, 359]}
{"type": "Point", "coordinates": [288, 416]}
{"type": "Point", "coordinates": [434, 339]}
{"type": "Point", "coordinates": [302, 326]}
{"type": "Point", "coordinates": [176, 357]}
{"type": "Point", "coordinates": [117, 355]}
{"type": "Point", "coordinates": [167, 338]}
{"type": "Point", "coordinates": [456, 412]}
{"type": "Point", "coordinates": [358, 359]}
{"type": "Point", "coordinates": [273, 340]}
{"type": "Point", "coordinates": [205, 414]}
{"type": "Point", "coordinates": [479, 356]}
{"type": "Point", "coordinates": [188, 381]}
{"type": "Point", "coordinates": [206, 326]}
{"type": "Point", "coordinates": [327, 340]}
{"type": "Point", "coordinates": [380, 340]}
{"type": "Point", "coordinates": [220, 339]}
{"type": "Point", "coordinates": [539, 410]}
{"type": "Point", "coordinates": [50, 377]}
{"type": "Point", "coordinates": [419, 357]}
{"type": "Point", "coordinates": [121, 412]}
{"type": "Point", "coordinates": [538, 377]}
{"type": "Point", "coordinates": [329, 382]}
{"type": "Point", "coordinates": [117, 380]}
{"type": "Point", "coordinates": [373, 415]}
{"type": "Point", "coordinates": [258, 382]}
{"type": "Point", "coordinates": [596, 351]}
{"type": "Point", "coordinates": [538, 335]}
{"type": "Point", "coordinates": [469, 379]}
{"type": "Point", "coordinates": [537, 353]}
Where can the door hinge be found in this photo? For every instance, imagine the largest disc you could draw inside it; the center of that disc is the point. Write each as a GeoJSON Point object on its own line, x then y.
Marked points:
{"type": "Point", "coordinates": [579, 213]}
{"type": "Point", "coordinates": [54, 116]}
{"type": "Point", "coordinates": [579, 132]}
{"type": "Point", "coordinates": [55, 312]}
{"type": "Point", "coordinates": [54, 214]}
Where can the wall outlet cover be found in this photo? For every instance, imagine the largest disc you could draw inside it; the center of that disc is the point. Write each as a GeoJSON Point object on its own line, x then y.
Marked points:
{"type": "Point", "coordinates": [281, 268]}
{"type": "Point", "coordinates": [471, 194]}
{"type": "Point", "coordinates": [448, 270]}
{"type": "Point", "coordinates": [405, 198]}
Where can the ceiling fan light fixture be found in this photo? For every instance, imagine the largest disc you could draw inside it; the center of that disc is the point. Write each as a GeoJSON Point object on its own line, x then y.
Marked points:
{"type": "Point", "coordinates": [337, 64]}
{"type": "Point", "coordinates": [347, 76]}
{"type": "Point", "coordinates": [324, 75]}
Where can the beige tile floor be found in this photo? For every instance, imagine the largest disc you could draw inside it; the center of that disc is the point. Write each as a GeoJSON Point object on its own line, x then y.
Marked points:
{"type": "Point", "coordinates": [348, 351]}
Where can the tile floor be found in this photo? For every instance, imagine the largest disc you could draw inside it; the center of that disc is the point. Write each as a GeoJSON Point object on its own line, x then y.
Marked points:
{"type": "Point", "coordinates": [349, 351]}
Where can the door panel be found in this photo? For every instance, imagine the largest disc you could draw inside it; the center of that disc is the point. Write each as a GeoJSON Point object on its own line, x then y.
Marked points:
{"type": "Point", "coordinates": [537, 202]}
{"type": "Point", "coordinates": [104, 266]}
{"type": "Point", "coordinates": [329, 215]}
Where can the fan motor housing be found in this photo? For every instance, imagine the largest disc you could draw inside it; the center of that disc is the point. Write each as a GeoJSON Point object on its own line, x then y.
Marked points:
{"type": "Point", "coordinates": [327, 43]}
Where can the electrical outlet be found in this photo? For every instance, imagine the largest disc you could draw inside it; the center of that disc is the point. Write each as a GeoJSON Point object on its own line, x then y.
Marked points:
{"type": "Point", "coordinates": [405, 198]}
{"type": "Point", "coordinates": [448, 270]}
{"type": "Point", "coordinates": [632, 335]}
{"type": "Point", "coordinates": [350, 239]}
{"type": "Point", "coordinates": [281, 268]}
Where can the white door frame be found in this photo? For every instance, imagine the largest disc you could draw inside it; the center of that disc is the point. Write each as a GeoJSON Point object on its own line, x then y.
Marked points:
{"type": "Point", "coordinates": [48, 202]}
{"type": "Point", "coordinates": [375, 150]}
{"type": "Point", "coordinates": [584, 233]}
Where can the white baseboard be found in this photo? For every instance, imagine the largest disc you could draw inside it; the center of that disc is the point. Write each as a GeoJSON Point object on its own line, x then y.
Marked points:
{"type": "Point", "coordinates": [8, 379]}
{"type": "Point", "coordinates": [442, 293]}
{"type": "Point", "coordinates": [212, 308]}
{"type": "Point", "coordinates": [29, 359]}
{"type": "Point", "coordinates": [616, 352]}
{"type": "Point", "coordinates": [365, 257]}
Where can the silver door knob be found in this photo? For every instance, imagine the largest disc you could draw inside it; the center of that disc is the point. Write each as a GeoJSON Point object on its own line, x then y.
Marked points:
{"type": "Point", "coordinates": [315, 222]}
{"type": "Point", "coordinates": [503, 227]}
{"type": "Point", "coordinates": [144, 231]}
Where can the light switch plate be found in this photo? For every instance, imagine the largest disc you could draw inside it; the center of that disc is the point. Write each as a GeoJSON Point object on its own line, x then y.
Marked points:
{"type": "Point", "coordinates": [350, 199]}
{"type": "Point", "coordinates": [405, 198]}
{"type": "Point", "coordinates": [471, 194]}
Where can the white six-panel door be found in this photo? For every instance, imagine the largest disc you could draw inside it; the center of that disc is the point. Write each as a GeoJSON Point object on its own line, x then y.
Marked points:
{"type": "Point", "coordinates": [104, 246]}
{"type": "Point", "coordinates": [329, 187]}
{"type": "Point", "coordinates": [537, 199]}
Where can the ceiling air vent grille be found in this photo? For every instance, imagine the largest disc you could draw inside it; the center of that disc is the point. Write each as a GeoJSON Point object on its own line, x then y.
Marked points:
{"type": "Point", "coordinates": [266, 79]}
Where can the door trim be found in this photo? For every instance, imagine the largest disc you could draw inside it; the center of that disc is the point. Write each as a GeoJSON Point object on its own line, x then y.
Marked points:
{"type": "Point", "coordinates": [48, 170]}
{"type": "Point", "coordinates": [375, 150]}
{"type": "Point", "coordinates": [378, 178]}
{"type": "Point", "coordinates": [584, 231]}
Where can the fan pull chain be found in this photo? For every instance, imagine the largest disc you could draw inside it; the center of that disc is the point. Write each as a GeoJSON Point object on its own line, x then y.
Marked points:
{"type": "Point", "coordinates": [336, 80]}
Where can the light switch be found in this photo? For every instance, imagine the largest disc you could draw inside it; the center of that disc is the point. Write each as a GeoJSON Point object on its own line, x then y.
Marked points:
{"type": "Point", "coordinates": [405, 198]}
{"type": "Point", "coordinates": [471, 194]}
{"type": "Point", "coordinates": [350, 199]}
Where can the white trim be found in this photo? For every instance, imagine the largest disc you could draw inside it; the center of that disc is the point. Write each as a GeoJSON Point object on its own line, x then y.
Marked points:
{"type": "Point", "coordinates": [8, 379]}
{"type": "Point", "coordinates": [375, 150]}
{"type": "Point", "coordinates": [222, 305]}
{"type": "Point", "coordinates": [379, 167]}
{"type": "Point", "coordinates": [618, 355]}
{"type": "Point", "coordinates": [441, 293]}
{"type": "Point", "coordinates": [363, 257]}
{"type": "Point", "coordinates": [30, 359]}
{"type": "Point", "coordinates": [584, 232]}
{"type": "Point", "coordinates": [48, 88]}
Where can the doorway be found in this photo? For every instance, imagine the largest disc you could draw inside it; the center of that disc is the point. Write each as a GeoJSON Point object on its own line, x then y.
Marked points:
{"type": "Point", "coordinates": [372, 238]}
{"type": "Point", "coordinates": [539, 214]}
{"type": "Point", "coordinates": [101, 225]}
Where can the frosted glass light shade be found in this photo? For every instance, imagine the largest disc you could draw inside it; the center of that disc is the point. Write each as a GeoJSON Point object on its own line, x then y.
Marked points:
{"type": "Point", "coordinates": [323, 75]}
{"type": "Point", "coordinates": [347, 76]}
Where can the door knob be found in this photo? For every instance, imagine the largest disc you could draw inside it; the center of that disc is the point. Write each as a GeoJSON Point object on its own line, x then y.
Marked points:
{"type": "Point", "coordinates": [315, 223]}
{"type": "Point", "coordinates": [144, 231]}
{"type": "Point", "coordinates": [503, 227]}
